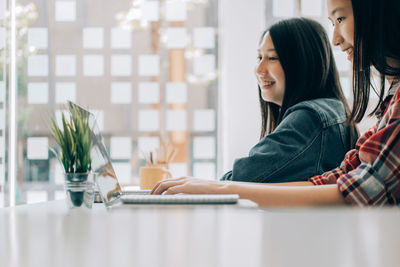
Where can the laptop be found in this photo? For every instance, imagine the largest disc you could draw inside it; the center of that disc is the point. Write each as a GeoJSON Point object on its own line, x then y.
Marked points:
{"type": "Point", "coordinates": [110, 189]}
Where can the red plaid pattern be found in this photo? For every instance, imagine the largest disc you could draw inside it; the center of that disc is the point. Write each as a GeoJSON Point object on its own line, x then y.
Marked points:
{"type": "Point", "coordinates": [370, 173]}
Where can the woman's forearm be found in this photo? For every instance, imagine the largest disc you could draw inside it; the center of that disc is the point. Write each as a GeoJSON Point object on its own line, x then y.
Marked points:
{"type": "Point", "coordinates": [302, 183]}
{"type": "Point", "coordinates": [267, 195]}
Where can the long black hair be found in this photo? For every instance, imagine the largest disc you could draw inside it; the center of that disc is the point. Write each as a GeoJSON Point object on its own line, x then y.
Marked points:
{"type": "Point", "coordinates": [376, 38]}
{"type": "Point", "coordinates": [307, 60]}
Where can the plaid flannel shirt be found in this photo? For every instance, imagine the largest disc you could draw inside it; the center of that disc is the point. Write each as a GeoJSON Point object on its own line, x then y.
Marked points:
{"type": "Point", "coordinates": [370, 173]}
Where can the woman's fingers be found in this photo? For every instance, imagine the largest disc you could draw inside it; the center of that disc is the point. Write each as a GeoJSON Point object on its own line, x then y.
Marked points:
{"type": "Point", "coordinates": [164, 185]}
{"type": "Point", "coordinates": [177, 189]}
{"type": "Point", "coordinates": [155, 188]}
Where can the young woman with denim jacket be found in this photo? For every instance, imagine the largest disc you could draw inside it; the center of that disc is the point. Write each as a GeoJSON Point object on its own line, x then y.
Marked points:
{"type": "Point", "coordinates": [367, 30]}
{"type": "Point", "coordinates": [304, 112]}
{"type": "Point", "coordinates": [303, 109]}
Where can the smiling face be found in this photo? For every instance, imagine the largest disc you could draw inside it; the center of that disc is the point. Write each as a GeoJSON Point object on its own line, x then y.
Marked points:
{"type": "Point", "coordinates": [341, 15]}
{"type": "Point", "coordinates": [269, 72]}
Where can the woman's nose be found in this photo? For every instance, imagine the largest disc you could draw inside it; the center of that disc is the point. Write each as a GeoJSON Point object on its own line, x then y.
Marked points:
{"type": "Point", "coordinates": [337, 38]}
{"type": "Point", "coordinates": [261, 69]}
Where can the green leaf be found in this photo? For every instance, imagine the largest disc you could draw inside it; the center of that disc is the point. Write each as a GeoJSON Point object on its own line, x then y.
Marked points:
{"type": "Point", "coordinates": [74, 141]}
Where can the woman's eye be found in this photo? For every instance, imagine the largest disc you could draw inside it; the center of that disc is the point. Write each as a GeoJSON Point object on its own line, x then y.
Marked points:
{"type": "Point", "coordinates": [340, 19]}
{"type": "Point", "coordinates": [273, 58]}
{"type": "Point", "coordinates": [259, 59]}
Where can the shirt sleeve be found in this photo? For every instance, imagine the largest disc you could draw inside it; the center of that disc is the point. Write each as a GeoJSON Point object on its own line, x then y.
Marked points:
{"type": "Point", "coordinates": [331, 177]}
{"type": "Point", "coordinates": [350, 162]}
{"type": "Point", "coordinates": [227, 176]}
{"type": "Point", "coordinates": [376, 180]}
{"type": "Point", "coordinates": [370, 175]}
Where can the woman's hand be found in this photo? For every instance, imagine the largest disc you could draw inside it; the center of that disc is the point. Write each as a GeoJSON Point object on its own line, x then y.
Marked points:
{"type": "Point", "coordinates": [188, 185]}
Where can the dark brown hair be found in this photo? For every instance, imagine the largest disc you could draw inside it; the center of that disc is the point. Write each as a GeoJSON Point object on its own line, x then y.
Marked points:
{"type": "Point", "coordinates": [376, 38]}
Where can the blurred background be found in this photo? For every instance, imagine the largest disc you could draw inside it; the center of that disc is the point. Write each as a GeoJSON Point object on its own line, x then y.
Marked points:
{"type": "Point", "coordinates": [150, 70]}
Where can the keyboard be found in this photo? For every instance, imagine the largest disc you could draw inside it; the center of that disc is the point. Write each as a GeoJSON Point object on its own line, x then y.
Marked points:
{"type": "Point", "coordinates": [180, 199]}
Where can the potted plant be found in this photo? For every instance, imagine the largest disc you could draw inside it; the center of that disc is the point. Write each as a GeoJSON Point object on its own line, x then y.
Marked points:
{"type": "Point", "coordinates": [75, 145]}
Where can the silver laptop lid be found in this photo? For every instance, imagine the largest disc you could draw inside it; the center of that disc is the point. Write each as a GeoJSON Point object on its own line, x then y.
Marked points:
{"type": "Point", "coordinates": [106, 180]}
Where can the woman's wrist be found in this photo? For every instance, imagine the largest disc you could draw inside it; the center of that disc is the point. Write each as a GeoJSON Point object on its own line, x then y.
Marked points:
{"type": "Point", "coordinates": [222, 187]}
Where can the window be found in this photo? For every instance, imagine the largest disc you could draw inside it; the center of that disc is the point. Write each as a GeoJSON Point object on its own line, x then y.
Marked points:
{"type": "Point", "coordinates": [147, 69]}
{"type": "Point", "coordinates": [3, 105]}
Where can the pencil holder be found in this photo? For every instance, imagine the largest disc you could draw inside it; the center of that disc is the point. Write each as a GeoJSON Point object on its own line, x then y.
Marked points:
{"type": "Point", "coordinates": [151, 175]}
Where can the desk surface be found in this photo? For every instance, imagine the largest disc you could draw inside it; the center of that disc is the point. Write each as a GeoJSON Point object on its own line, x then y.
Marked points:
{"type": "Point", "coordinates": [48, 234]}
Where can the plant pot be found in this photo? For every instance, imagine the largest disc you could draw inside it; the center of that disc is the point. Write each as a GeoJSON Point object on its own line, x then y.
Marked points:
{"type": "Point", "coordinates": [79, 188]}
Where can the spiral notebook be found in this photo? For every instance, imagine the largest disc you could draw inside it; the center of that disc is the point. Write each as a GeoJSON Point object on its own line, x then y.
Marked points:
{"type": "Point", "coordinates": [180, 199]}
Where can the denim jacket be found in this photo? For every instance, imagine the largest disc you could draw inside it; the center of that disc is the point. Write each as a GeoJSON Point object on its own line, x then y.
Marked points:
{"type": "Point", "coordinates": [311, 139]}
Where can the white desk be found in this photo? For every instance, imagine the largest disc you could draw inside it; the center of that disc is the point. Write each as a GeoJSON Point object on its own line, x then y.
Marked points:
{"type": "Point", "coordinates": [48, 235]}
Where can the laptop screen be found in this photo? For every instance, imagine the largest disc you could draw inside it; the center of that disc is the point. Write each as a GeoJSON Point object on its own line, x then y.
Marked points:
{"type": "Point", "coordinates": [106, 180]}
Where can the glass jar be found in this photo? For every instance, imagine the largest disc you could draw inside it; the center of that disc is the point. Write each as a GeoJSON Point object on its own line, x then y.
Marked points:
{"type": "Point", "coordinates": [79, 188]}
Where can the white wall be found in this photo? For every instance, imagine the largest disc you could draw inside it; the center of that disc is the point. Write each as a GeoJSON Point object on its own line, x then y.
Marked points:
{"type": "Point", "coordinates": [240, 25]}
